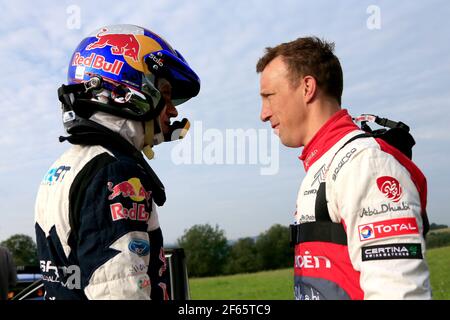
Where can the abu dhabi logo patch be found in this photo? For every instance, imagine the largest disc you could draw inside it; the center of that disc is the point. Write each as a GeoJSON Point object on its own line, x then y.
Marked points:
{"type": "Point", "coordinates": [390, 187]}
{"type": "Point", "coordinates": [392, 251]}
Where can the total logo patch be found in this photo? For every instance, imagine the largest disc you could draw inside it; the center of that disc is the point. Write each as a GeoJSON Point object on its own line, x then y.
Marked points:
{"type": "Point", "coordinates": [392, 251]}
{"type": "Point", "coordinates": [388, 228]}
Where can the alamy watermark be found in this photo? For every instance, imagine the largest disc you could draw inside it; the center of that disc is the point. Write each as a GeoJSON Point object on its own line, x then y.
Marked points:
{"type": "Point", "coordinates": [74, 17]}
{"type": "Point", "coordinates": [374, 20]}
{"type": "Point", "coordinates": [229, 147]}
{"type": "Point", "coordinates": [67, 276]}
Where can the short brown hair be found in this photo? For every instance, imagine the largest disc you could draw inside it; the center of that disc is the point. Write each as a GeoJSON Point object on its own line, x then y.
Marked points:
{"type": "Point", "coordinates": [309, 56]}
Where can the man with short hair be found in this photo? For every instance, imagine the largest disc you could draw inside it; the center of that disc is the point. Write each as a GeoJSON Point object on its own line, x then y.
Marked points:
{"type": "Point", "coordinates": [361, 210]}
{"type": "Point", "coordinates": [8, 273]}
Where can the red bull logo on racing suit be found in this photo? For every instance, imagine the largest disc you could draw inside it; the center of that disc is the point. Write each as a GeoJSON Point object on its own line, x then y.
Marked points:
{"type": "Point", "coordinates": [133, 189]}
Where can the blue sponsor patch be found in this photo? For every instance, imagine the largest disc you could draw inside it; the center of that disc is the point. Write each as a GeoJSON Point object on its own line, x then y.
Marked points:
{"type": "Point", "coordinates": [139, 246]}
{"type": "Point", "coordinates": [55, 175]}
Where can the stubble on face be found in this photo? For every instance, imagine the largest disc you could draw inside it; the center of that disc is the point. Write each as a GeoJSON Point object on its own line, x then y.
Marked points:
{"type": "Point", "coordinates": [282, 103]}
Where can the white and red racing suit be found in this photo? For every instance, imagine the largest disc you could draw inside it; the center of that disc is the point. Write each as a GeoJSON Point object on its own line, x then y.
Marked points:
{"type": "Point", "coordinates": [360, 221]}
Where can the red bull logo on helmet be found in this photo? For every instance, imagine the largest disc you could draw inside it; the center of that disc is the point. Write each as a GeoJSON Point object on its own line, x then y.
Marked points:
{"type": "Point", "coordinates": [121, 44]}
{"type": "Point", "coordinates": [98, 62]}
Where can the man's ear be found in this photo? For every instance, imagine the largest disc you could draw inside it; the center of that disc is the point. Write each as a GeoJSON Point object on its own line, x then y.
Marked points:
{"type": "Point", "coordinates": [309, 88]}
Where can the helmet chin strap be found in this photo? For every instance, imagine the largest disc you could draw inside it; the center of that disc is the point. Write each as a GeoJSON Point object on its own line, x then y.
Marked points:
{"type": "Point", "coordinates": [177, 130]}
{"type": "Point", "coordinates": [149, 131]}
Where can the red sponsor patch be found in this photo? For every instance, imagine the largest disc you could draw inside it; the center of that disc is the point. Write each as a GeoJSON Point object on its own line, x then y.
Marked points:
{"type": "Point", "coordinates": [163, 286]}
{"type": "Point", "coordinates": [390, 187]}
{"type": "Point", "coordinates": [137, 212]}
{"type": "Point", "coordinates": [388, 228]}
{"type": "Point", "coordinates": [162, 258]}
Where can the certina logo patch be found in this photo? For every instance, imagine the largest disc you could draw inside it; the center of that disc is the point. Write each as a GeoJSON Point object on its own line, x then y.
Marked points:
{"type": "Point", "coordinates": [392, 251]}
{"type": "Point", "coordinates": [388, 228]}
{"type": "Point", "coordinates": [343, 161]}
{"type": "Point", "coordinates": [308, 261]}
{"type": "Point", "coordinates": [390, 187]}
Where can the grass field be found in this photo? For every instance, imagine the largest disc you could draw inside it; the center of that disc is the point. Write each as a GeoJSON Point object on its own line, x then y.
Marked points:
{"type": "Point", "coordinates": [278, 284]}
{"type": "Point", "coordinates": [440, 230]}
{"type": "Point", "coordinates": [439, 263]}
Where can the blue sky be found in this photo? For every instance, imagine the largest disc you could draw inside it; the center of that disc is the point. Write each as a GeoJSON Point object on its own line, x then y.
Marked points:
{"type": "Point", "coordinates": [401, 71]}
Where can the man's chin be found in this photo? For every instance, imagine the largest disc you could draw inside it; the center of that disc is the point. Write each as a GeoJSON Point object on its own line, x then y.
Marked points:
{"type": "Point", "coordinates": [289, 143]}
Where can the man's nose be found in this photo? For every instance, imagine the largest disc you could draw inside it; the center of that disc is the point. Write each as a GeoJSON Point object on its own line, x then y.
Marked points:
{"type": "Point", "coordinates": [266, 113]}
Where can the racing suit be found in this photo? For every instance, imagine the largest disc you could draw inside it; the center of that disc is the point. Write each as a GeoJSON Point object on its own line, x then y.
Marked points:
{"type": "Point", "coordinates": [97, 228]}
{"type": "Point", "coordinates": [360, 219]}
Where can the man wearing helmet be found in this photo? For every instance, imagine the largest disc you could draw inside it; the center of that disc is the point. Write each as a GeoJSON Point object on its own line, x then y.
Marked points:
{"type": "Point", "coordinates": [97, 227]}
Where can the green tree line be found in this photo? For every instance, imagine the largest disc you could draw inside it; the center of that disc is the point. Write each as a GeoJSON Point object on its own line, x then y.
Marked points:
{"type": "Point", "coordinates": [209, 253]}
